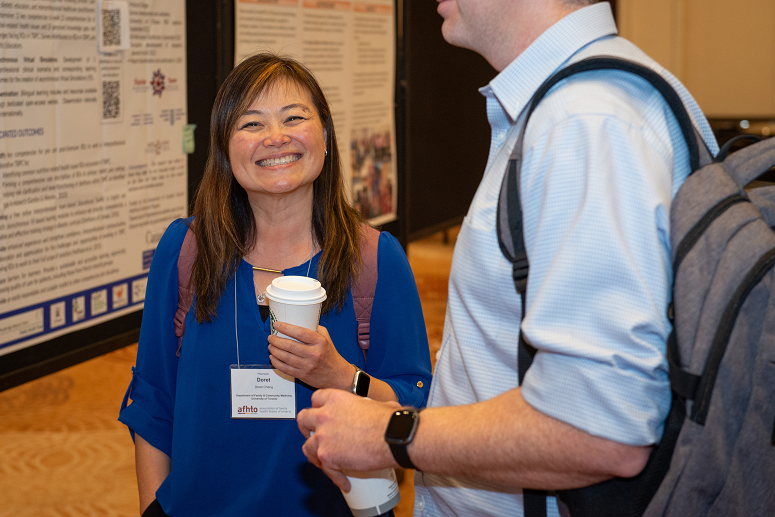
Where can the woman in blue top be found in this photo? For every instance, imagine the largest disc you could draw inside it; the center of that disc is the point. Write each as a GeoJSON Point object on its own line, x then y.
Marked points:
{"type": "Point", "coordinates": [272, 197]}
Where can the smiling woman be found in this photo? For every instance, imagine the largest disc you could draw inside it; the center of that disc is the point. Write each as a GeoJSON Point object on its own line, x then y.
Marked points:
{"type": "Point", "coordinates": [272, 108]}
{"type": "Point", "coordinates": [278, 148]}
{"type": "Point", "coordinates": [271, 203]}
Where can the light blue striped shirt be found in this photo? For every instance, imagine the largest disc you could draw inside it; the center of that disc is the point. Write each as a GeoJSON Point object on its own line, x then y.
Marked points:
{"type": "Point", "coordinates": [603, 157]}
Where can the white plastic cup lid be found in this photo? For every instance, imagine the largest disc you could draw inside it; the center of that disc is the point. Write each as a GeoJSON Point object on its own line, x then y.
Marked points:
{"type": "Point", "coordinates": [295, 290]}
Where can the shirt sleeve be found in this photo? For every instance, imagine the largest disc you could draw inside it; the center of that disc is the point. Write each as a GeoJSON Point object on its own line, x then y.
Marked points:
{"type": "Point", "coordinates": [152, 389]}
{"type": "Point", "coordinates": [398, 351]}
{"type": "Point", "coordinates": [597, 184]}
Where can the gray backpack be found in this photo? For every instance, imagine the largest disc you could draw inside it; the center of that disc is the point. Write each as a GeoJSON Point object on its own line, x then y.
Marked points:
{"type": "Point", "coordinates": [717, 454]}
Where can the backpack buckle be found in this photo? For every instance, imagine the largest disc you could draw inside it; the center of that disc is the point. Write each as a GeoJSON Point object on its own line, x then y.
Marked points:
{"type": "Point", "coordinates": [519, 270]}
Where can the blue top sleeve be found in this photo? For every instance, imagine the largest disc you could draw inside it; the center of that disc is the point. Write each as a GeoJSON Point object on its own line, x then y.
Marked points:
{"type": "Point", "coordinates": [398, 353]}
{"type": "Point", "coordinates": [152, 389]}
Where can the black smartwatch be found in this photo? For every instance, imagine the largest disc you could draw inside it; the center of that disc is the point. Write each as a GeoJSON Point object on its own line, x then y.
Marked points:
{"type": "Point", "coordinates": [361, 383]}
{"type": "Point", "coordinates": [399, 434]}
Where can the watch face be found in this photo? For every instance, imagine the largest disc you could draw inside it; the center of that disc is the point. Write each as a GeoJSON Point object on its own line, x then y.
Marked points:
{"type": "Point", "coordinates": [362, 381]}
{"type": "Point", "coordinates": [401, 426]}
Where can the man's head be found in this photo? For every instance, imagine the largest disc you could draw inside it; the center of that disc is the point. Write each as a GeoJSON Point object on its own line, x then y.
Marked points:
{"type": "Point", "coordinates": [500, 30]}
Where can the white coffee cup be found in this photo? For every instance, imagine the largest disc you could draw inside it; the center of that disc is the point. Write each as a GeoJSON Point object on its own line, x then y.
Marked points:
{"type": "Point", "coordinates": [295, 300]}
{"type": "Point", "coordinates": [372, 493]}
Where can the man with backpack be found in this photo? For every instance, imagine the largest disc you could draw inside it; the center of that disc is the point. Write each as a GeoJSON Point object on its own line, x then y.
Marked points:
{"type": "Point", "coordinates": [601, 158]}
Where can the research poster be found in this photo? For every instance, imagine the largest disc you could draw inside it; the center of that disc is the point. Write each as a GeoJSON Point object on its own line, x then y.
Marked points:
{"type": "Point", "coordinates": [350, 47]}
{"type": "Point", "coordinates": [92, 158]}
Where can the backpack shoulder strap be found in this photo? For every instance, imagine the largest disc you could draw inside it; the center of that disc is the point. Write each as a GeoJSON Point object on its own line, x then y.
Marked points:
{"type": "Point", "coordinates": [363, 288]}
{"type": "Point", "coordinates": [511, 241]}
{"type": "Point", "coordinates": [509, 214]}
{"type": "Point", "coordinates": [186, 259]}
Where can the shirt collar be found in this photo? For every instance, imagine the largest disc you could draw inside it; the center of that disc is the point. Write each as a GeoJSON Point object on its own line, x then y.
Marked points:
{"type": "Point", "coordinates": [514, 86]}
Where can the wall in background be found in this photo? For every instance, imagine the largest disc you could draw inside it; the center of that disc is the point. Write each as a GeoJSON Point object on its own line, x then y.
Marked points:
{"type": "Point", "coordinates": [722, 50]}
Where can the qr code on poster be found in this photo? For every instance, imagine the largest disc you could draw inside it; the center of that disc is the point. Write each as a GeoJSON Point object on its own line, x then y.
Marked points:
{"type": "Point", "coordinates": [111, 28]}
{"type": "Point", "coordinates": [111, 100]}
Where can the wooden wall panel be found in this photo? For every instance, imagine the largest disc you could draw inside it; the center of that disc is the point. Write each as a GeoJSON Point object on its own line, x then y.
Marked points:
{"type": "Point", "coordinates": [722, 50]}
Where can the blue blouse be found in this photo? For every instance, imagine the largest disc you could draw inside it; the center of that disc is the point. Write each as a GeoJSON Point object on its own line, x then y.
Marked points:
{"type": "Point", "coordinates": [182, 405]}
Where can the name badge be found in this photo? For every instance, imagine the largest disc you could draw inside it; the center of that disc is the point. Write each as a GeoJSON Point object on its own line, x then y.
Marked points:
{"type": "Point", "coordinates": [260, 391]}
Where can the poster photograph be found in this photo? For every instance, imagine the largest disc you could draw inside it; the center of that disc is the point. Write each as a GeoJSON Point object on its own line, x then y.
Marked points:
{"type": "Point", "coordinates": [350, 47]}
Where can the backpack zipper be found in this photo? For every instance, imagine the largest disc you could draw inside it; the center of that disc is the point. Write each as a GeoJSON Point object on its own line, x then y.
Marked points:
{"type": "Point", "coordinates": [696, 232]}
{"type": "Point", "coordinates": [724, 332]}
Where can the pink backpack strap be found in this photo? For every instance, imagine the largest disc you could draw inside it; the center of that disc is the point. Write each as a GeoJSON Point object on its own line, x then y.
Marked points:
{"type": "Point", "coordinates": [186, 259]}
{"type": "Point", "coordinates": [363, 289]}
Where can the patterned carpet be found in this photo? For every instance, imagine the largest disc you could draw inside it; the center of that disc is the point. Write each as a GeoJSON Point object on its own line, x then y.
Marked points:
{"type": "Point", "coordinates": [63, 453]}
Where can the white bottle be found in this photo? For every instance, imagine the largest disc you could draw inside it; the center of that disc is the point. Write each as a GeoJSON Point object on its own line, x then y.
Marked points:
{"type": "Point", "coordinates": [372, 493]}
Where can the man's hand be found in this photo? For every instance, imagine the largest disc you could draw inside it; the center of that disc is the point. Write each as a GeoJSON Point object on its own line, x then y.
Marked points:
{"type": "Point", "coordinates": [346, 432]}
{"type": "Point", "coordinates": [314, 360]}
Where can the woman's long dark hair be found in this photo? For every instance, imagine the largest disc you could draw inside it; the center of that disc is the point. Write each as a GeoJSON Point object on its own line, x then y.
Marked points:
{"type": "Point", "coordinates": [225, 227]}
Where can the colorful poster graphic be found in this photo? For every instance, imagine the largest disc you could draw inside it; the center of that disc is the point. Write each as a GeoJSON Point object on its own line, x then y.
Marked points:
{"type": "Point", "coordinates": [350, 47]}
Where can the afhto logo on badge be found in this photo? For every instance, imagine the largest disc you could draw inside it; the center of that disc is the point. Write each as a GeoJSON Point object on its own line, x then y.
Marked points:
{"type": "Point", "coordinates": [250, 410]}
{"type": "Point", "coordinates": [157, 82]}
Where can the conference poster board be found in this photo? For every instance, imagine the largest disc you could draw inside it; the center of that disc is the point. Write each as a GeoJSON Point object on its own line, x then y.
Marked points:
{"type": "Point", "coordinates": [350, 47]}
{"type": "Point", "coordinates": [93, 163]}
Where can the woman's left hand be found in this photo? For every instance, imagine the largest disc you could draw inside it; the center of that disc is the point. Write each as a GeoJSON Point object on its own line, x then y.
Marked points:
{"type": "Point", "coordinates": [314, 360]}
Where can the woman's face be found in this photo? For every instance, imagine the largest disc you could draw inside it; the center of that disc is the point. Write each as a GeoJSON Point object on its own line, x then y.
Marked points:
{"type": "Point", "coordinates": [279, 144]}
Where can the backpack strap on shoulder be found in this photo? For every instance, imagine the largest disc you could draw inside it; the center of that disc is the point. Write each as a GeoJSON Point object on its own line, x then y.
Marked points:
{"type": "Point", "coordinates": [363, 288]}
{"type": "Point", "coordinates": [509, 213]}
{"type": "Point", "coordinates": [186, 259]}
{"type": "Point", "coordinates": [509, 216]}
{"type": "Point", "coordinates": [699, 154]}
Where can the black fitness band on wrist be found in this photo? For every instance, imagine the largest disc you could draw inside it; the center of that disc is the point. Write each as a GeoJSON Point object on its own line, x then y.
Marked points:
{"type": "Point", "coordinates": [401, 455]}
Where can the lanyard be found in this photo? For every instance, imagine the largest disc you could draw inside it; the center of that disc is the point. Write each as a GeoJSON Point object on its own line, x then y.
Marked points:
{"type": "Point", "coordinates": [236, 333]}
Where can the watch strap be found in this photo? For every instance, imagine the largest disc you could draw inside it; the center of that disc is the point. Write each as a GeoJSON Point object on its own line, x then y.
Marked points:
{"type": "Point", "coordinates": [401, 455]}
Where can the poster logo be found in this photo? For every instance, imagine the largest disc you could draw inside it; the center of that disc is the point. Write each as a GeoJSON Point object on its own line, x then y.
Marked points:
{"type": "Point", "coordinates": [79, 308]}
{"type": "Point", "coordinates": [99, 302]}
{"type": "Point", "coordinates": [157, 147]}
{"type": "Point", "coordinates": [57, 315]}
{"type": "Point", "coordinates": [138, 290]}
{"type": "Point", "coordinates": [157, 82]}
{"type": "Point", "coordinates": [120, 296]}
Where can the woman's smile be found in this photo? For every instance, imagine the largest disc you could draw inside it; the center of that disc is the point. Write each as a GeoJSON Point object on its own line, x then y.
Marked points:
{"type": "Point", "coordinates": [271, 162]}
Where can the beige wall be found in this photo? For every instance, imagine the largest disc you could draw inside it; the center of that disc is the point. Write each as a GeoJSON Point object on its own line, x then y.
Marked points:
{"type": "Point", "coordinates": [722, 50]}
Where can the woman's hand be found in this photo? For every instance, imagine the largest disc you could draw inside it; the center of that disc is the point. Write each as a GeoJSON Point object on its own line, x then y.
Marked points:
{"type": "Point", "coordinates": [315, 360]}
